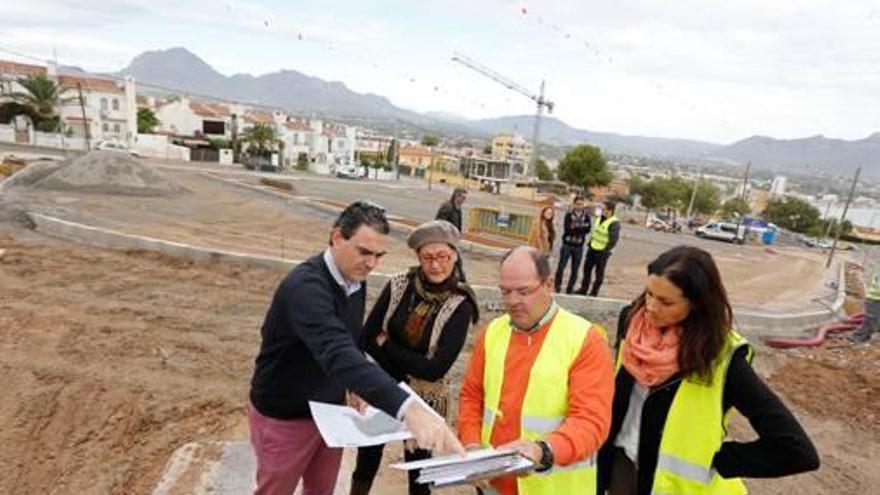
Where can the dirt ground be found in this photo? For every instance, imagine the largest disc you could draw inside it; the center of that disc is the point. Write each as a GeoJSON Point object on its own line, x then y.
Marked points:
{"type": "Point", "coordinates": [219, 215]}
{"type": "Point", "coordinates": [112, 360]}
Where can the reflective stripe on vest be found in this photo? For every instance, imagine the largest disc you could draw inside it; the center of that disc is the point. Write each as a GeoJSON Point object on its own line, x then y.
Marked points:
{"type": "Point", "coordinates": [599, 239]}
{"type": "Point", "coordinates": [694, 431]}
{"type": "Point", "coordinates": [545, 403]}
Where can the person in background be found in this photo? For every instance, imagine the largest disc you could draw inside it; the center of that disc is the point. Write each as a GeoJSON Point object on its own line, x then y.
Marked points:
{"type": "Point", "coordinates": [543, 233]}
{"type": "Point", "coordinates": [308, 352]}
{"type": "Point", "coordinates": [680, 370]}
{"type": "Point", "coordinates": [575, 227]}
{"type": "Point", "coordinates": [606, 232]}
{"type": "Point", "coordinates": [871, 323]}
{"type": "Point", "coordinates": [416, 331]}
{"type": "Point", "coordinates": [451, 210]}
{"type": "Point", "coordinates": [539, 381]}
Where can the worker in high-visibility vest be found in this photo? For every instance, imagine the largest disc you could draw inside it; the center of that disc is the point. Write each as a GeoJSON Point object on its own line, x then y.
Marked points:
{"type": "Point", "coordinates": [680, 370]}
{"type": "Point", "coordinates": [871, 323]}
{"type": "Point", "coordinates": [606, 232]}
{"type": "Point", "coordinates": [540, 381]}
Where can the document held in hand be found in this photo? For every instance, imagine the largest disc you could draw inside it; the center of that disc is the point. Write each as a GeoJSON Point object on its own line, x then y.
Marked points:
{"type": "Point", "coordinates": [475, 466]}
{"type": "Point", "coordinates": [342, 426]}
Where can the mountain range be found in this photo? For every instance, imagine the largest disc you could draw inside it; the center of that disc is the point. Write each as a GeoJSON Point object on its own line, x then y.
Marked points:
{"type": "Point", "coordinates": [181, 70]}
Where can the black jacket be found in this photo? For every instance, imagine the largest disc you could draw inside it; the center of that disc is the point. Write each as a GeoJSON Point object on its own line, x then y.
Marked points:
{"type": "Point", "coordinates": [400, 358]}
{"type": "Point", "coordinates": [309, 350]}
{"type": "Point", "coordinates": [782, 447]}
{"type": "Point", "coordinates": [450, 213]}
{"type": "Point", "coordinates": [575, 229]}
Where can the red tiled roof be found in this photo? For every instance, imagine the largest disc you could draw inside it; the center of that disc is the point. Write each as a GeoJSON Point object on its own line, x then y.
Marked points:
{"type": "Point", "coordinates": [21, 70]}
{"type": "Point", "coordinates": [258, 117]}
{"type": "Point", "coordinates": [91, 84]}
{"type": "Point", "coordinates": [210, 110]}
{"type": "Point", "coordinates": [297, 126]}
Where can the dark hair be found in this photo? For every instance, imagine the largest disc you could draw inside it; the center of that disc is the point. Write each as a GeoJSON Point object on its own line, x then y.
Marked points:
{"type": "Point", "coordinates": [541, 260]}
{"type": "Point", "coordinates": [609, 205]}
{"type": "Point", "coordinates": [362, 213]}
{"type": "Point", "coordinates": [706, 327]}
{"type": "Point", "coordinates": [577, 198]}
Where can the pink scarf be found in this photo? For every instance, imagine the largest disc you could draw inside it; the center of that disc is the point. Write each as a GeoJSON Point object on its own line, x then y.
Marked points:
{"type": "Point", "coordinates": [650, 355]}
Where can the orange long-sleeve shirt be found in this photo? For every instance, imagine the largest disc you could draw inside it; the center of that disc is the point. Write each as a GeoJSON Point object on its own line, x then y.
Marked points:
{"type": "Point", "coordinates": [591, 389]}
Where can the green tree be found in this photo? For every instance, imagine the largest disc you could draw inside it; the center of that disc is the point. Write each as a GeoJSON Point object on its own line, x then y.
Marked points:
{"type": "Point", "coordinates": [792, 213]}
{"type": "Point", "coordinates": [262, 139]}
{"type": "Point", "coordinates": [376, 165]}
{"type": "Point", "coordinates": [663, 192]}
{"type": "Point", "coordinates": [487, 150]}
{"type": "Point", "coordinates": [584, 166]}
{"type": "Point", "coordinates": [707, 199]}
{"type": "Point", "coordinates": [543, 171]}
{"type": "Point", "coordinates": [430, 140]}
{"type": "Point", "coordinates": [302, 161]}
{"type": "Point", "coordinates": [735, 207]}
{"type": "Point", "coordinates": [147, 120]}
{"type": "Point", "coordinates": [43, 97]}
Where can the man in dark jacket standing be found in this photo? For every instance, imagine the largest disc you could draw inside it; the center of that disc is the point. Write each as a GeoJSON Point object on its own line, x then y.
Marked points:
{"type": "Point", "coordinates": [309, 353]}
{"type": "Point", "coordinates": [451, 210]}
{"type": "Point", "coordinates": [606, 232]}
{"type": "Point", "coordinates": [575, 229]}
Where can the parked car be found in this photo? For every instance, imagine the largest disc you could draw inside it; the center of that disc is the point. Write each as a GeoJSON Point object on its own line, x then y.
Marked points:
{"type": "Point", "coordinates": [722, 231]}
{"type": "Point", "coordinates": [111, 145]}
{"type": "Point", "coordinates": [349, 173]}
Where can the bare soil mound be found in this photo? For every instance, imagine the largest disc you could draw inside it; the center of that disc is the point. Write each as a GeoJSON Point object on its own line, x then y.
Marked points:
{"type": "Point", "coordinates": [98, 172]}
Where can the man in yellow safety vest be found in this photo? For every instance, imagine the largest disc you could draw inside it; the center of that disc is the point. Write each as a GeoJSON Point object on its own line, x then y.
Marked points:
{"type": "Point", "coordinates": [606, 232]}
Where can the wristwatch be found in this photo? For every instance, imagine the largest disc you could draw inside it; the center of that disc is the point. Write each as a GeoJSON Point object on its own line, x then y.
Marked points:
{"type": "Point", "coordinates": [546, 457]}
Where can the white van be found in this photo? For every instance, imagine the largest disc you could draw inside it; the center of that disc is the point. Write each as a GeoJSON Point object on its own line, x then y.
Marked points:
{"type": "Point", "coordinates": [722, 231]}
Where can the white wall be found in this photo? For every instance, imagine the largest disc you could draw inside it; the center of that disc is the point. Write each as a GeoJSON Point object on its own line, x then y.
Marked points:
{"type": "Point", "coordinates": [159, 146]}
{"type": "Point", "coordinates": [177, 118]}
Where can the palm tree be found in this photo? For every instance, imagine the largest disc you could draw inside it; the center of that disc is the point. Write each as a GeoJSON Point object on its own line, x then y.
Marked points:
{"type": "Point", "coordinates": [262, 139]}
{"type": "Point", "coordinates": [43, 97]}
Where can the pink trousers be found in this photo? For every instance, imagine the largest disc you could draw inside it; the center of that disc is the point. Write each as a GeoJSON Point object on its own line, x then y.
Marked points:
{"type": "Point", "coordinates": [290, 450]}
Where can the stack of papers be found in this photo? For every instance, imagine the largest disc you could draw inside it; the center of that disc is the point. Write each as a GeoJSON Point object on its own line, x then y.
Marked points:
{"type": "Point", "coordinates": [476, 465]}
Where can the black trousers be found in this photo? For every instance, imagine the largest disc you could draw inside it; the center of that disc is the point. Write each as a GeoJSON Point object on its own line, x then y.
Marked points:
{"type": "Point", "coordinates": [566, 252]}
{"type": "Point", "coordinates": [369, 459]}
{"type": "Point", "coordinates": [595, 260]}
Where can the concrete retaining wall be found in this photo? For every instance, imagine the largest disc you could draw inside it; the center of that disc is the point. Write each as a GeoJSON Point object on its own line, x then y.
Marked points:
{"type": "Point", "coordinates": [601, 310]}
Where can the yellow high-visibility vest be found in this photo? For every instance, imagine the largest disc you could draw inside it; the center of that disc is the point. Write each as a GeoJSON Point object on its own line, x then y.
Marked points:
{"type": "Point", "coordinates": [546, 401]}
{"type": "Point", "coordinates": [694, 431]}
{"type": "Point", "coordinates": [599, 239]}
{"type": "Point", "coordinates": [874, 285]}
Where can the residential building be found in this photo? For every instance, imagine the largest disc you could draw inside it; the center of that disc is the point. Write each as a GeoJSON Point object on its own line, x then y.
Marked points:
{"type": "Point", "coordinates": [110, 107]}
{"type": "Point", "coordinates": [777, 187]}
{"type": "Point", "coordinates": [11, 72]}
{"type": "Point", "coordinates": [197, 119]}
{"type": "Point", "coordinates": [414, 160]}
{"type": "Point", "coordinates": [512, 147]}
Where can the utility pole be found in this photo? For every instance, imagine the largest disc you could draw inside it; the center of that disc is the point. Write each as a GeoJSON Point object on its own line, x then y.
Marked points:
{"type": "Point", "coordinates": [849, 198]}
{"type": "Point", "coordinates": [827, 221]}
{"type": "Point", "coordinates": [82, 107]}
{"type": "Point", "coordinates": [60, 120]}
{"type": "Point", "coordinates": [744, 196]}
{"type": "Point", "coordinates": [694, 193]}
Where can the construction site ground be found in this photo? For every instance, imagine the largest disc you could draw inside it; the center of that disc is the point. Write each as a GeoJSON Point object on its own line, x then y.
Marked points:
{"type": "Point", "coordinates": [112, 360]}
{"type": "Point", "coordinates": [221, 211]}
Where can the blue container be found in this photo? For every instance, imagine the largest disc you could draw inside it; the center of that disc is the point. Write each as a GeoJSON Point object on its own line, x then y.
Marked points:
{"type": "Point", "coordinates": [768, 237]}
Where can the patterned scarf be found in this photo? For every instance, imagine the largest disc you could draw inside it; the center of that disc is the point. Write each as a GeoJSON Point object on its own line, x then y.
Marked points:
{"type": "Point", "coordinates": [650, 355]}
{"type": "Point", "coordinates": [432, 296]}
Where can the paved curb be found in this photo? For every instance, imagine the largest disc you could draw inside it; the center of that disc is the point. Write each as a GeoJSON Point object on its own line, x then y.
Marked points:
{"type": "Point", "coordinates": [749, 322]}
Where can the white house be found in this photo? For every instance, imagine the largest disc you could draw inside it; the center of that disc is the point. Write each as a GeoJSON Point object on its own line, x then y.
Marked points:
{"type": "Point", "coordinates": [200, 119]}
{"type": "Point", "coordinates": [109, 105]}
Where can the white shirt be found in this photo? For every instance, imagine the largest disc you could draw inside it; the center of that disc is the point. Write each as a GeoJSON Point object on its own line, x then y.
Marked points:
{"type": "Point", "coordinates": [349, 287]}
{"type": "Point", "coordinates": [628, 438]}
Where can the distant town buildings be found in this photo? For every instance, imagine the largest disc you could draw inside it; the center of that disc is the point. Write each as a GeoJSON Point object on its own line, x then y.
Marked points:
{"type": "Point", "coordinates": [777, 187]}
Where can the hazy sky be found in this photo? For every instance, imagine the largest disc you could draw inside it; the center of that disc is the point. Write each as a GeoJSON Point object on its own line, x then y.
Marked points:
{"type": "Point", "coordinates": [701, 69]}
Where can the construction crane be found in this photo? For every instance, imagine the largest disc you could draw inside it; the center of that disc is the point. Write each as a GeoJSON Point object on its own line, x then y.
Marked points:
{"type": "Point", "coordinates": [539, 99]}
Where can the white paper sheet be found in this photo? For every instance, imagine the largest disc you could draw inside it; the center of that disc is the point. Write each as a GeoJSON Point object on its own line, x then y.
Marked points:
{"type": "Point", "coordinates": [475, 465]}
{"type": "Point", "coordinates": [342, 426]}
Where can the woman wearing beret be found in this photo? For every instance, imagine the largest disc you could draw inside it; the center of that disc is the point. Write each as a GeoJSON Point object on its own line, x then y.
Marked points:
{"type": "Point", "coordinates": [416, 331]}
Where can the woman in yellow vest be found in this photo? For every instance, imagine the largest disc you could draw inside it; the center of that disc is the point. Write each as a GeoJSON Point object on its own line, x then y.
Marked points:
{"type": "Point", "coordinates": [680, 370]}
